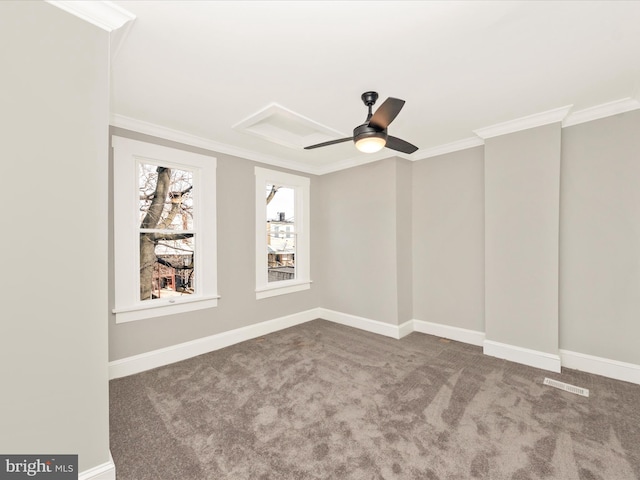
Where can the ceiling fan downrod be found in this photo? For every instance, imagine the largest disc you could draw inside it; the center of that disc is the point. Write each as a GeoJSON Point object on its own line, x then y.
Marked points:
{"type": "Point", "coordinates": [369, 99]}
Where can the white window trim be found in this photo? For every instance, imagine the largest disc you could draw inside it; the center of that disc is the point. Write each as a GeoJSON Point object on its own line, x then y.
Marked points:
{"type": "Point", "coordinates": [128, 306]}
{"type": "Point", "coordinates": [301, 186]}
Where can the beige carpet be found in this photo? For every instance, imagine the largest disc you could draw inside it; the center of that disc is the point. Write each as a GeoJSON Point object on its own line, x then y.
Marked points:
{"type": "Point", "coordinates": [324, 401]}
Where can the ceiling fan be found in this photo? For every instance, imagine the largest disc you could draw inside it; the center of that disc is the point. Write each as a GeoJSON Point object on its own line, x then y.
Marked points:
{"type": "Point", "coordinates": [372, 135]}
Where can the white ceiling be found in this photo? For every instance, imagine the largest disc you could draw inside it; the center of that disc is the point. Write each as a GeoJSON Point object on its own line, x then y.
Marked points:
{"type": "Point", "coordinates": [192, 70]}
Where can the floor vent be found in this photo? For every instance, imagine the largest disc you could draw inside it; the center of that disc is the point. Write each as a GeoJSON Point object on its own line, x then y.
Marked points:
{"type": "Point", "coordinates": [566, 387]}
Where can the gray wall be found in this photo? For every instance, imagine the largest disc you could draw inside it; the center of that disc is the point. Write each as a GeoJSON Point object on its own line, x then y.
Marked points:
{"type": "Point", "coordinates": [448, 239]}
{"type": "Point", "coordinates": [54, 99]}
{"type": "Point", "coordinates": [600, 238]}
{"type": "Point", "coordinates": [237, 306]}
{"type": "Point", "coordinates": [395, 240]}
{"type": "Point", "coordinates": [522, 185]}
{"type": "Point", "coordinates": [54, 121]}
{"type": "Point", "coordinates": [357, 243]}
{"type": "Point", "coordinates": [404, 239]}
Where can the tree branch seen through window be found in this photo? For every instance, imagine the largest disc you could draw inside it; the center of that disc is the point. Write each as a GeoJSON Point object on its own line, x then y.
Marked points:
{"type": "Point", "coordinates": [166, 232]}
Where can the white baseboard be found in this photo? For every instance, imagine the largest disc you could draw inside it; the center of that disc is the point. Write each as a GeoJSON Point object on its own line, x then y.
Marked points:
{"type": "Point", "coordinates": [628, 372]}
{"type": "Point", "coordinates": [362, 323]}
{"type": "Point", "coordinates": [525, 356]}
{"type": "Point", "coordinates": [106, 471]}
{"type": "Point", "coordinates": [405, 328]}
{"type": "Point", "coordinates": [600, 366]}
{"type": "Point", "coordinates": [182, 351]}
{"type": "Point", "coordinates": [463, 335]}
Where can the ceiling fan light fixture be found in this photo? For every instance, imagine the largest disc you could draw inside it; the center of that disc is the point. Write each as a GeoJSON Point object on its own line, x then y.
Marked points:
{"type": "Point", "coordinates": [371, 144]}
{"type": "Point", "coordinates": [369, 139]}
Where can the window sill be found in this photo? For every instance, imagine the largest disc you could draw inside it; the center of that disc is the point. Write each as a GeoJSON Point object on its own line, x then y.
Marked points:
{"type": "Point", "coordinates": [282, 289]}
{"type": "Point", "coordinates": [162, 307]}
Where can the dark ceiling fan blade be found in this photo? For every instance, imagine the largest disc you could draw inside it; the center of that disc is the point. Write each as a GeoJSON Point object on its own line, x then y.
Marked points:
{"type": "Point", "coordinates": [395, 143]}
{"type": "Point", "coordinates": [331, 142]}
{"type": "Point", "coordinates": [386, 113]}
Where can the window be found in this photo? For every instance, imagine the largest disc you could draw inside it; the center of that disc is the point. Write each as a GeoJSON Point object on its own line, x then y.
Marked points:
{"type": "Point", "coordinates": [282, 233]}
{"type": "Point", "coordinates": [164, 229]}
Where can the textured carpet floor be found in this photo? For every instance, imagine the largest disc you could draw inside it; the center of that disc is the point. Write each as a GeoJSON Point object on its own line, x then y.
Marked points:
{"type": "Point", "coordinates": [324, 401]}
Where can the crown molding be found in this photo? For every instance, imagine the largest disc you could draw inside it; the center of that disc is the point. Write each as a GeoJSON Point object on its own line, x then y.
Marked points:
{"type": "Point", "coordinates": [166, 133]}
{"type": "Point", "coordinates": [106, 15]}
{"type": "Point", "coordinates": [449, 148]}
{"type": "Point", "coordinates": [524, 123]}
{"type": "Point", "coordinates": [356, 161]}
{"type": "Point", "coordinates": [531, 121]}
{"type": "Point", "coordinates": [601, 111]}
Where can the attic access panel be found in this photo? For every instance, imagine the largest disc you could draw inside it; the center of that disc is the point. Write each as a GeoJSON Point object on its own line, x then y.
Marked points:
{"type": "Point", "coordinates": [285, 127]}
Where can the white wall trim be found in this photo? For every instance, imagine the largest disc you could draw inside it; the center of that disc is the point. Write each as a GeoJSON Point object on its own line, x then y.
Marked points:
{"type": "Point", "coordinates": [524, 123]}
{"type": "Point", "coordinates": [359, 159]}
{"type": "Point", "coordinates": [106, 471]}
{"type": "Point", "coordinates": [447, 148]}
{"type": "Point", "coordinates": [128, 154]}
{"type": "Point", "coordinates": [405, 329]}
{"type": "Point", "coordinates": [472, 337]}
{"type": "Point", "coordinates": [362, 323]}
{"type": "Point", "coordinates": [538, 119]}
{"type": "Point", "coordinates": [167, 133]}
{"type": "Point", "coordinates": [601, 111]}
{"type": "Point", "coordinates": [301, 187]}
{"type": "Point", "coordinates": [182, 351]}
{"type": "Point", "coordinates": [628, 372]}
{"type": "Point", "coordinates": [106, 15]}
{"type": "Point", "coordinates": [274, 291]}
{"type": "Point", "coordinates": [525, 356]}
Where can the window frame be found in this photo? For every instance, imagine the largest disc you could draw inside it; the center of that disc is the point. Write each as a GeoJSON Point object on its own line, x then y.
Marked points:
{"type": "Point", "coordinates": [127, 155]}
{"type": "Point", "coordinates": [301, 187]}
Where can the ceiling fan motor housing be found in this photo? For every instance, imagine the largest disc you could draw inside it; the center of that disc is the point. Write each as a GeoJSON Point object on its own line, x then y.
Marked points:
{"type": "Point", "coordinates": [365, 130]}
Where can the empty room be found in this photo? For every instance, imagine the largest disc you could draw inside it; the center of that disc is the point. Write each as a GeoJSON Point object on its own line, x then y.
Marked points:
{"type": "Point", "coordinates": [321, 240]}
